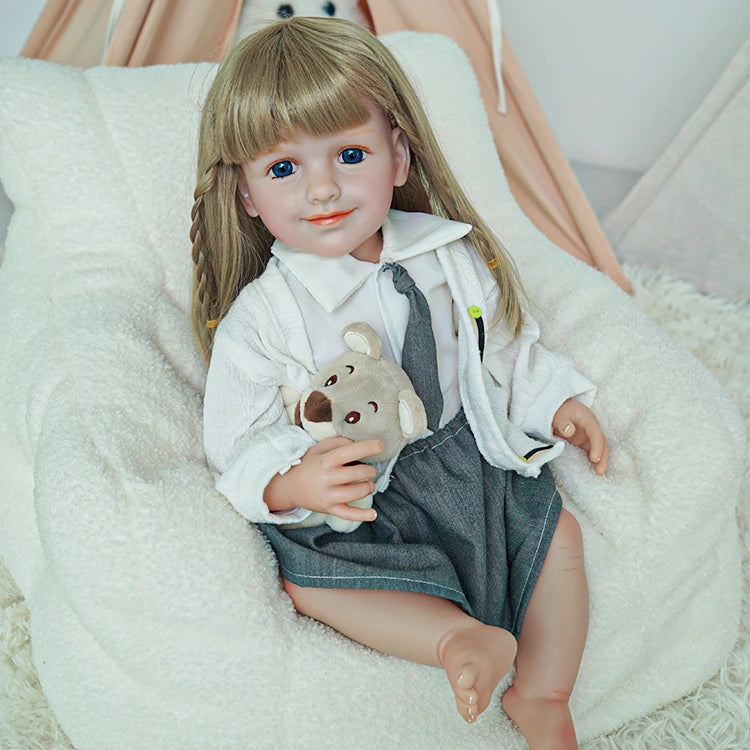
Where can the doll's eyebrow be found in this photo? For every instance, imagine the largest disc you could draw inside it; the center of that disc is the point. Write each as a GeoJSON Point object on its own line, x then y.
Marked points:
{"type": "Point", "coordinates": [358, 131]}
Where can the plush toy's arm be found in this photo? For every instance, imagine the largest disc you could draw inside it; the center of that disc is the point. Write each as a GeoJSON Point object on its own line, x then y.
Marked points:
{"type": "Point", "coordinates": [290, 398]}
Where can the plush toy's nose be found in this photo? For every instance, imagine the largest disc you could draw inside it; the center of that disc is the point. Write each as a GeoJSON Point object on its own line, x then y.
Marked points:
{"type": "Point", "coordinates": [318, 408]}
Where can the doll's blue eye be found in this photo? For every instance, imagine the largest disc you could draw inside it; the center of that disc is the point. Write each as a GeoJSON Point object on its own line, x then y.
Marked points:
{"type": "Point", "coordinates": [283, 168]}
{"type": "Point", "coordinates": [284, 11]}
{"type": "Point", "coordinates": [352, 155]}
{"type": "Point", "coordinates": [329, 9]}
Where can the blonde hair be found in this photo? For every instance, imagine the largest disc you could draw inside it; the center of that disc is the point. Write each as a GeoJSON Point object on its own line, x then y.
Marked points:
{"type": "Point", "coordinates": [316, 75]}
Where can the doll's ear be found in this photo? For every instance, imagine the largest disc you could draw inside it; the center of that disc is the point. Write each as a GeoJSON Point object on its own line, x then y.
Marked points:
{"type": "Point", "coordinates": [243, 193]}
{"type": "Point", "coordinates": [401, 156]}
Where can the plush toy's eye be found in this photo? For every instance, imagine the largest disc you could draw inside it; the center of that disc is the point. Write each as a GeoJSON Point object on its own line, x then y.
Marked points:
{"type": "Point", "coordinates": [352, 417]}
{"type": "Point", "coordinates": [331, 381]}
{"type": "Point", "coordinates": [350, 368]}
{"type": "Point", "coordinates": [374, 405]}
{"type": "Point", "coordinates": [285, 10]}
{"type": "Point", "coordinates": [329, 9]}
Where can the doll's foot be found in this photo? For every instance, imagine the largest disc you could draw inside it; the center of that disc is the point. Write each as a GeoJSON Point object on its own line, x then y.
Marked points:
{"type": "Point", "coordinates": [545, 723]}
{"type": "Point", "coordinates": [475, 658]}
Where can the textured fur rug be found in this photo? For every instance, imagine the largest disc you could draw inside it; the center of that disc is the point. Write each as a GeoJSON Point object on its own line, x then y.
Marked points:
{"type": "Point", "coordinates": [716, 716]}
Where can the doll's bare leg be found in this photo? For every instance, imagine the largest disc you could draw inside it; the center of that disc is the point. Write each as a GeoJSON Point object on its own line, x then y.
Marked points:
{"type": "Point", "coordinates": [421, 628]}
{"type": "Point", "coordinates": [551, 643]}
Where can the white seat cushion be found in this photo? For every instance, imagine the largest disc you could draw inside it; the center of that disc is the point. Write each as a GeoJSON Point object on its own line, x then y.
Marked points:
{"type": "Point", "coordinates": [157, 615]}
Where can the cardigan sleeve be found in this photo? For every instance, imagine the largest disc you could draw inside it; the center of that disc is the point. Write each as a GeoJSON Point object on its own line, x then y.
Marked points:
{"type": "Point", "coordinates": [537, 379]}
{"type": "Point", "coordinates": [247, 435]}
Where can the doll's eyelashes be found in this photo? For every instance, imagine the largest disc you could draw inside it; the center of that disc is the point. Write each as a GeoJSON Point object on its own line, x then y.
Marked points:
{"type": "Point", "coordinates": [352, 155]}
{"type": "Point", "coordinates": [283, 168]}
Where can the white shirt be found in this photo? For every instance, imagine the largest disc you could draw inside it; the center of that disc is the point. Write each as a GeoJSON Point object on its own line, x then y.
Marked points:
{"type": "Point", "coordinates": [263, 343]}
{"type": "Point", "coordinates": [333, 292]}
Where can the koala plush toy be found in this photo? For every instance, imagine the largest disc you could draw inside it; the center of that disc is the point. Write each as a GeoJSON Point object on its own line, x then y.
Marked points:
{"type": "Point", "coordinates": [359, 395]}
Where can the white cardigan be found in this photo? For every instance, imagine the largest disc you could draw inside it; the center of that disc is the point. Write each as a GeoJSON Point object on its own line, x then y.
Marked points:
{"type": "Point", "coordinates": [509, 397]}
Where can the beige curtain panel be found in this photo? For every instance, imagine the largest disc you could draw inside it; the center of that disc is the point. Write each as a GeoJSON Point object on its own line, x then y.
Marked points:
{"type": "Point", "coordinates": [146, 32]}
{"type": "Point", "coordinates": [149, 32]}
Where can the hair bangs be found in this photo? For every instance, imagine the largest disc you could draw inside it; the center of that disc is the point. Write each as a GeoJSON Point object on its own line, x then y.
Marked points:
{"type": "Point", "coordinates": [293, 89]}
{"type": "Point", "coordinates": [318, 107]}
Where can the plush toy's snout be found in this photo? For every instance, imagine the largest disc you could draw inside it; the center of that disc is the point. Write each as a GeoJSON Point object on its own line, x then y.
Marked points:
{"type": "Point", "coordinates": [317, 408]}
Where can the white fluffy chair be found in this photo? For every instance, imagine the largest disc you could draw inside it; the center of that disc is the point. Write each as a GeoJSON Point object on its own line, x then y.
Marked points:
{"type": "Point", "coordinates": [156, 612]}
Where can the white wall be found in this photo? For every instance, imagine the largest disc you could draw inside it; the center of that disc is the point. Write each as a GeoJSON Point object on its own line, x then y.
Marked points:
{"type": "Point", "coordinates": [16, 19]}
{"type": "Point", "coordinates": [617, 78]}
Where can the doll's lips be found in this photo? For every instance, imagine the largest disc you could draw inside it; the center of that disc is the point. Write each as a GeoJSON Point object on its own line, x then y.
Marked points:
{"type": "Point", "coordinates": [326, 220]}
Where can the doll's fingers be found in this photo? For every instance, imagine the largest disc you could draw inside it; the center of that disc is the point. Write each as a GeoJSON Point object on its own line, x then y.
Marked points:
{"type": "Point", "coordinates": [329, 445]}
{"type": "Point", "coordinates": [599, 453]}
{"type": "Point", "coordinates": [350, 492]}
{"type": "Point", "coordinates": [351, 513]}
{"type": "Point", "coordinates": [603, 463]}
{"type": "Point", "coordinates": [356, 472]}
{"type": "Point", "coordinates": [350, 451]}
{"type": "Point", "coordinates": [562, 425]}
{"type": "Point", "coordinates": [566, 430]}
{"type": "Point", "coordinates": [580, 439]}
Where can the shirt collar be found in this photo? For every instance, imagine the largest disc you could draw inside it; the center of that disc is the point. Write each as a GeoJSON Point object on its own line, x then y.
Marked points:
{"type": "Point", "coordinates": [331, 281]}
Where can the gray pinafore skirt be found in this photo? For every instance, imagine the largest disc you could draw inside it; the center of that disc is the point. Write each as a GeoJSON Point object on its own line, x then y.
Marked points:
{"type": "Point", "coordinates": [448, 524]}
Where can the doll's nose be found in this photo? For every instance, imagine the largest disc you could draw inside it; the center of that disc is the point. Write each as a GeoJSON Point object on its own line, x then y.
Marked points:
{"type": "Point", "coordinates": [322, 186]}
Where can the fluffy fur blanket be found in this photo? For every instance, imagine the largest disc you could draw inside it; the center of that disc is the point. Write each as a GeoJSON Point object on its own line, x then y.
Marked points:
{"type": "Point", "coordinates": [157, 619]}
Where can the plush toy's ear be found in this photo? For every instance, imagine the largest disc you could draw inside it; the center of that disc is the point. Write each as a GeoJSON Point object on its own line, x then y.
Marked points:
{"type": "Point", "coordinates": [360, 338]}
{"type": "Point", "coordinates": [411, 414]}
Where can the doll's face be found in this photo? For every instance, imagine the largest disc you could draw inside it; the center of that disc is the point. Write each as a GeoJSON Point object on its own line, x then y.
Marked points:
{"type": "Point", "coordinates": [329, 195]}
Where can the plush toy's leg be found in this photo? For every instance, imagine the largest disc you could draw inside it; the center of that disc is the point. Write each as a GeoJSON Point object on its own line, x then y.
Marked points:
{"type": "Point", "coordinates": [551, 643]}
{"type": "Point", "coordinates": [421, 628]}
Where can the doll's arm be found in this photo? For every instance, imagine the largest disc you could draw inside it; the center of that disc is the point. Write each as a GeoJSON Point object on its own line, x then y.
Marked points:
{"type": "Point", "coordinates": [247, 436]}
{"type": "Point", "coordinates": [327, 478]}
{"type": "Point", "coordinates": [270, 470]}
{"type": "Point", "coordinates": [577, 424]}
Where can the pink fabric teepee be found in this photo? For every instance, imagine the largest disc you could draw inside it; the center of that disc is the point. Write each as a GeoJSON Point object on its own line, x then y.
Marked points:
{"type": "Point", "coordinates": [148, 32]}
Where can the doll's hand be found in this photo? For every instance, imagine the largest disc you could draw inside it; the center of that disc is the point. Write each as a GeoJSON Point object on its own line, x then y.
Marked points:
{"type": "Point", "coordinates": [326, 479]}
{"type": "Point", "coordinates": [577, 424]}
